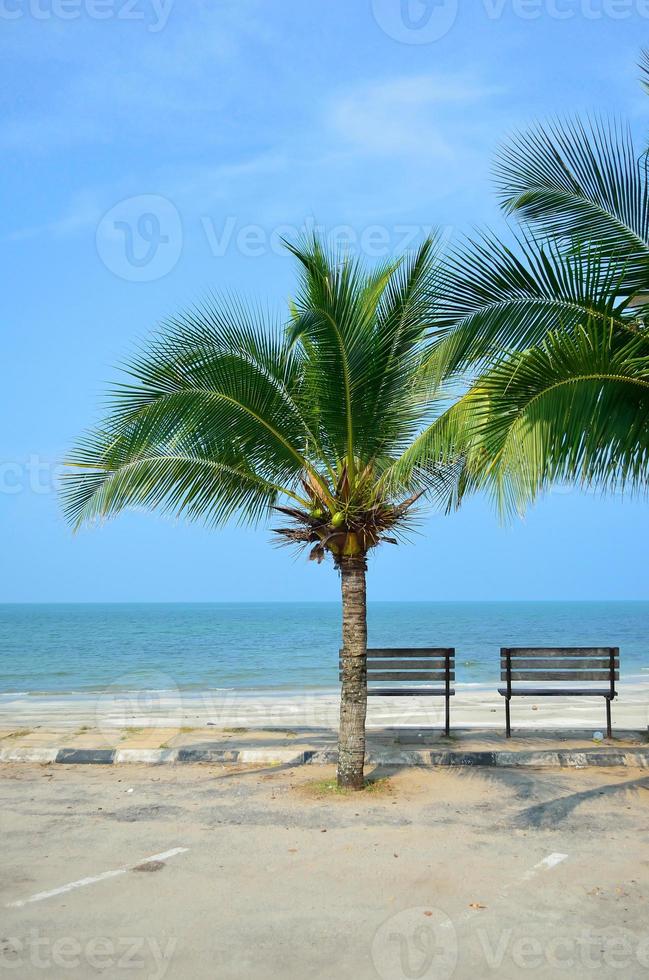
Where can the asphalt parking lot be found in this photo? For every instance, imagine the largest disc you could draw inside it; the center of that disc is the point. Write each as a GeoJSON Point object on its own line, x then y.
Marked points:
{"type": "Point", "coordinates": [202, 872]}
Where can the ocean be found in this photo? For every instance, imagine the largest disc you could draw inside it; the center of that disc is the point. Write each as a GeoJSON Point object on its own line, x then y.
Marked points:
{"type": "Point", "coordinates": [289, 647]}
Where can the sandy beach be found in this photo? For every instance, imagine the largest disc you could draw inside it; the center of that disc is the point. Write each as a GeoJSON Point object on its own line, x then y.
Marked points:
{"type": "Point", "coordinates": [472, 707]}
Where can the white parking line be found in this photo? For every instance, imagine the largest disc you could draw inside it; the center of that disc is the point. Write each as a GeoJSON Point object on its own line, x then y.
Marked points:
{"type": "Point", "coordinates": [551, 861]}
{"type": "Point", "coordinates": [82, 882]}
{"type": "Point", "coordinates": [547, 864]}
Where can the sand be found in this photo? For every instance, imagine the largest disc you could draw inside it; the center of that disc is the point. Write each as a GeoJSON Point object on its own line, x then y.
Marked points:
{"type": "Point", "coordinates": [472, 707]}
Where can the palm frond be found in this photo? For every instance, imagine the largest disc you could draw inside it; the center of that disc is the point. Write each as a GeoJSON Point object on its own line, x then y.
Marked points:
{"type": "Point", "coordinates": [575, 409]}
{"type": "Point", "coordinates": [364, 333]}
{"type": "Point", "coordinates": [585, 181]}
{"type": "Point", "coordinates": [643, 65]}
{"type": "Point", "coordinates": [228, 413]}
{"type": "Point", "coordinates": [495, 300]}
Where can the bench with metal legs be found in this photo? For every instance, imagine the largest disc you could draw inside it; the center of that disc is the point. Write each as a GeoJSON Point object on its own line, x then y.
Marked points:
{"type": "Point", "coordinates": [558, 665]}
{"type": "Point", "coordinates": [407, 673]}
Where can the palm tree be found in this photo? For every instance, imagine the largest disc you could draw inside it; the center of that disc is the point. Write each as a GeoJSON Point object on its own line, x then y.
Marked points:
{"type": "Point", "coordinates": [551, 329]}
{"type": "Point", "coordinates": [227, 413]}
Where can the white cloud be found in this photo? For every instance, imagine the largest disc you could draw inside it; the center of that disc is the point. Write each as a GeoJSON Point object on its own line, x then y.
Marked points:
{"type": "Point", "coordinates": [372, 153]}
{"type": "Point", "coordinates": [405, 115]}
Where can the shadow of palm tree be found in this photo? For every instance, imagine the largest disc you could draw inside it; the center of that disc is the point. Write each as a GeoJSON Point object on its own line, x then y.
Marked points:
{"type": "Point", "coordinates": [548, 814]}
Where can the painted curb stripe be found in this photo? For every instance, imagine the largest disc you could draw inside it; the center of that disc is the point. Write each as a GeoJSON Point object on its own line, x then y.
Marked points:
{"type": "Point", "coordinates": [28, 755]}
{"type": "Point", "coordinates": [86, 756]}
{"type": "Point", "coordinates": [638, 758]}
{"type": "Point", "coordinates": [149, 756]}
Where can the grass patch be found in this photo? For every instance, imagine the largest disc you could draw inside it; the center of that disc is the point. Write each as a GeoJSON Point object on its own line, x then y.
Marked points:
{"type": "Point", "coordinates": [84, 728]}
{"type": "Point", "coordinates": [322, 788]}
{"type": "Point", "coordinates": [19, 733]}
{"type": "Point", "coordinates": [236, 731]}
{"type": "Point", "coordinates": [132, 731]}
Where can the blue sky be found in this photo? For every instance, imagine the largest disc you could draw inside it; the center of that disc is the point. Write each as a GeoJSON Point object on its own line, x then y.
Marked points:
{"type": "Point", "coordinates": [155, 150]}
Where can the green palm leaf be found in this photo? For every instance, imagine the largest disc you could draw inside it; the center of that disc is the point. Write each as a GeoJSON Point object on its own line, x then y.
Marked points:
{"type": "Point", "coordinates": [495, 299]}
{"type": "Point", "coordinates": [581, 180]}
{"type": "Point", "coordinates": [229, 412]}
{"type": "Point", "coordinates": [575, 409]}
{"type": "Point", "coordinates": [551, 333]}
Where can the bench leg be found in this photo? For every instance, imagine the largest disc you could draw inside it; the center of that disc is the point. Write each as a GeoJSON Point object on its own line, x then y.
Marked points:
{"type": "Point", "coordinates": [609, 732]}
{"type": "Point", "coordinates": [508, 727]}
{"type": "Point", "coordinates": [448, 715]}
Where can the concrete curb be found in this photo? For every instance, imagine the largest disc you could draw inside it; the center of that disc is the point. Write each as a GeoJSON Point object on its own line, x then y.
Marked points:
{"type": "Point", "coordinates": [28, 755]}
{"type": "Point", "coordinates": [543, 759]}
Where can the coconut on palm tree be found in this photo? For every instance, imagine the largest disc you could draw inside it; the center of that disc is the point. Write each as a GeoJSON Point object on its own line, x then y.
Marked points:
{"type": "Point", "coordinates": [315, 418]}
{"type": "Point", "coordinates": [551, 329]}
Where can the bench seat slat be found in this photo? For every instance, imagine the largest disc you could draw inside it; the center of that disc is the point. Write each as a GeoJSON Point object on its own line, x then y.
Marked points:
{"type": "Point", "coordinates": [422, 652]}
{"type": "Point", "coordinates": [517, 652]}
{"type": "Point", "coordinates": [560, 675]}
{"type": "Point", "coordinates": [568, 664]}
{"type": "Point", "coordinates": [409, 675]}
{"type": "Point", "coordinates": [413, 692]}
{"type": "Point", "coordinates": [407, 664]}
{"type": "Point", "coordinates": [373, 664]}
{"type": "Point", "coordinates": [540, 692]}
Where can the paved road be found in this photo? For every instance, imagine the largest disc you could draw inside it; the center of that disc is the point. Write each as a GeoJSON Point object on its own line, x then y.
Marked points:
{"type": "Point", "coordinates": [460, 874]}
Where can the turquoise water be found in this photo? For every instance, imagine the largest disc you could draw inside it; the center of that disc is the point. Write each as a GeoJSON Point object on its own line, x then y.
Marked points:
{"type": "Point", "coordinates": [291, 647]}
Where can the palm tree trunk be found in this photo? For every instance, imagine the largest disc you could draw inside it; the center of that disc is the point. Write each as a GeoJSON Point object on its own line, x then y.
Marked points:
{"type": "Point", "coordinates": [353, 699]}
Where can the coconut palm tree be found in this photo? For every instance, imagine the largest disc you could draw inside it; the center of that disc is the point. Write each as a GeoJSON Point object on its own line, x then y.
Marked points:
{"type": "Point", "coordinates": [551, 328]}
{"type": "Point", "coordinates": [228, 413]}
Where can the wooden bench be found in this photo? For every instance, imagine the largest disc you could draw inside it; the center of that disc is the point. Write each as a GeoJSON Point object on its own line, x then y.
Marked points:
{"type": "Point", "coordinates": [406, 673]}
{"type": "Point", "coordinates": [557, 665]}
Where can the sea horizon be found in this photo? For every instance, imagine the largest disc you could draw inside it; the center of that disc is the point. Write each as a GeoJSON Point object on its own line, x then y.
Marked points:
{"type": "Point", "coordinates": [314, 602]}
{"type": "Point", "coordinates": [88, 647]}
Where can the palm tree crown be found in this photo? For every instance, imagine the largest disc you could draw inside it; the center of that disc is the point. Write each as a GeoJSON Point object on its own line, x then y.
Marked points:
{"type": "Point", "coordinates": [228, 414]}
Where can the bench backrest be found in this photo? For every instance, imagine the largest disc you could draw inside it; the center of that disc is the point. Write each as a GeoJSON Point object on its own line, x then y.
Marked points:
{"type": "Point", "coordinates": [423, 666]}
{"type": "Point", "coordinates": [580, 665]}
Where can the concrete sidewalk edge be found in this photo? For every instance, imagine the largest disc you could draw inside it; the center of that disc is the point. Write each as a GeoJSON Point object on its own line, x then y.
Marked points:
{"type": "Point", "coordinates": [547, 759]}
